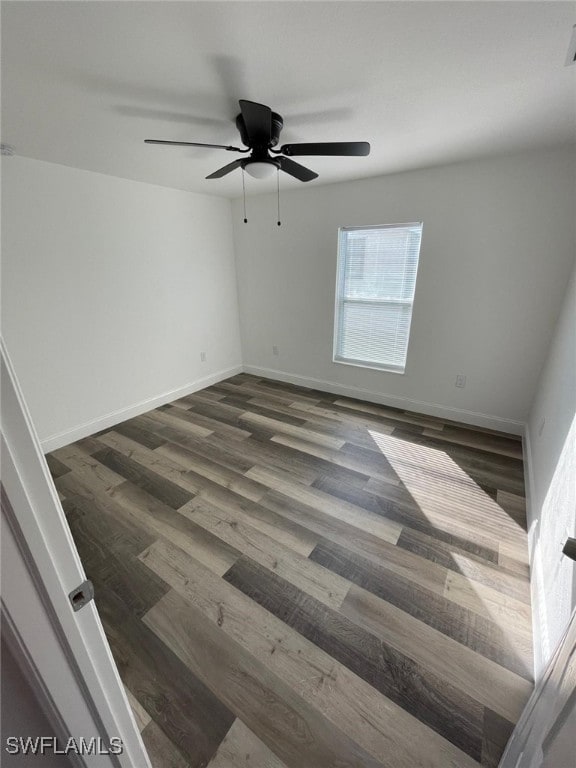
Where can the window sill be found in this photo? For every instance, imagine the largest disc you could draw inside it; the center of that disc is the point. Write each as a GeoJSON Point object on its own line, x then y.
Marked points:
{"type": "Point", "coordinates": [370, 366]}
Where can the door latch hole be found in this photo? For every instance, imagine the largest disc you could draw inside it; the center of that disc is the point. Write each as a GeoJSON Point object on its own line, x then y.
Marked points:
{"type": "Point", "coordinates": [81, 595]}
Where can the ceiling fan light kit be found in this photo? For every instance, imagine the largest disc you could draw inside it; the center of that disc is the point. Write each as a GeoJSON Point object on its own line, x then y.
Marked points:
{"type": "Point", "coordinates": [260, 169]}
{"type": "Point", "coordinates": [260, 130]}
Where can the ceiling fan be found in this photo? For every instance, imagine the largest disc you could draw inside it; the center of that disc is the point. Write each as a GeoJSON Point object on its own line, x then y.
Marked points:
{"type": "Point", "coordinates": [260, 129]}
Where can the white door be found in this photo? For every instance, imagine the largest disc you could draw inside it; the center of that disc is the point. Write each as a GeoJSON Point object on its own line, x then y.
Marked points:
{"type": "Point", "coordinates": [545, 736]}
{"type": "Point", "coordinates": [66, 649]}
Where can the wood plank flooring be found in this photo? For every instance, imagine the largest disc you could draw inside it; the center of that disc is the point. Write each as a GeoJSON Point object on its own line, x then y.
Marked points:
{"type": "Point", "coordinates": [292, 579]}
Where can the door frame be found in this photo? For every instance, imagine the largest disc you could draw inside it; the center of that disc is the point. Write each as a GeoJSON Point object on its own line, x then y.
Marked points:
{"type": "Point", "coordinates": [527, 746]}
{"type": "Point", "coordinates": [67, 650]}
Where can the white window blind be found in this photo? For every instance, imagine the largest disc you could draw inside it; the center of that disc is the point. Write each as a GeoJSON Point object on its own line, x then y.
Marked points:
{"type": "Point", "coordinates": [374, 294]}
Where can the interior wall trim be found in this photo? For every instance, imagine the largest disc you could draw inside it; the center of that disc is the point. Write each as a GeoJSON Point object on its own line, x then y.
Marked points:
{"type": "Point", "coordinates": [381, 398]}
{"type": "Point", "coordinates": [533, 529]}
{"type": "Point", "coordinates": [88, 428]}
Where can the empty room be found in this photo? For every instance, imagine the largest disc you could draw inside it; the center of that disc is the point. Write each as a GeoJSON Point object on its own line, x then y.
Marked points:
{"type": "Point", "coordinates": [288, 384]}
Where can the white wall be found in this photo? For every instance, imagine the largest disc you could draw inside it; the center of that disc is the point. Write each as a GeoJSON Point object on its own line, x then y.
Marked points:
{"type": "Point", "coordinates": [111, 289]}
{"type": "Point", "coordinates": [551, 463]}
{"type": "Point", "coordinates": [496, 251]}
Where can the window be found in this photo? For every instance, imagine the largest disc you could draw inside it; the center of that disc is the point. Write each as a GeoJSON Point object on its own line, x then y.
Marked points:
{"type": "Point", "coordinates": [374, 294]}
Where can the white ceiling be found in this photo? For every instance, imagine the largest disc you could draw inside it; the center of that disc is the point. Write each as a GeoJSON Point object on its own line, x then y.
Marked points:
{"type": "Point", "coordinates": [84, 83]}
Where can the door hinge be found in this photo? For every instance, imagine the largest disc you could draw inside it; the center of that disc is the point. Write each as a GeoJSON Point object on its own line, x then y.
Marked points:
{"type": "Point", "coordinates": [81, 595]}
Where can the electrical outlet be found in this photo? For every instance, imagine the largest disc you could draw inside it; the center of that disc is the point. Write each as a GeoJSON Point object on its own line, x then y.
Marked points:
{"type": "Point", "coordinates": [203, 357]}
{"type": "Point", "coordinates": [275, 350]}
{"type": "Point", "coordinates": [460, 381]}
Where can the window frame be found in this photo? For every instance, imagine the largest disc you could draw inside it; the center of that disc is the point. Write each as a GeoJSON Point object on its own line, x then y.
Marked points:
{"type": "Point", "coordinates": [339, 301]}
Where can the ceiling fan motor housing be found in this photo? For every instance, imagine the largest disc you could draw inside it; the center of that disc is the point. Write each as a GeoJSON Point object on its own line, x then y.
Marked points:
{"type": "Point", "coordinates": [277, 125]}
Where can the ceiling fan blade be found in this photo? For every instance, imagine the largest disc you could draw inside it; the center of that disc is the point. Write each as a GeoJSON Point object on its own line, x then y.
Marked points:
{"type": "Point", "coordinates": [258, 121]}
{"type": "Point", "coordinates": [193, 144]}
{"type": "Point", "coordinates": [296, 170]}
{"type": "Point", "coordinates": [340, 148]}
{"type": "Point", "coordinates": [226, 169]}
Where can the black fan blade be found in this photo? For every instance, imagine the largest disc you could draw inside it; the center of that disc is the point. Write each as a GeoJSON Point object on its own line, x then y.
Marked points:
{"type": "Point", "coordinates": [258, 122]}
{"type": "Point", "coordinates": [193, 144]}
{"type": "Point", "coordinates": [296, 170]}
{"type": "Point", "coordinates": [226, 169]}
{"type": "Point", "coordinates": [340, 148]}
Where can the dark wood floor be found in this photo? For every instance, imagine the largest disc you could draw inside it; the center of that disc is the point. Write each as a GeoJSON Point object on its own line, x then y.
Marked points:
{"type": "Point", "coordinates": [291, 579]}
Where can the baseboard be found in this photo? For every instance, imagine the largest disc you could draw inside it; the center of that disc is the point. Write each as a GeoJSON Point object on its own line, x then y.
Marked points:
{"type": "Point", "coordinates": [60, 439]}
{"type": "Point", "coordinates": [430, 409]}
{"type": "Point", "coordinates": [110, 419]}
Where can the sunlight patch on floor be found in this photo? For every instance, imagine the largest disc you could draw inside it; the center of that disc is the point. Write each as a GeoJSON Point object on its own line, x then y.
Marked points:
{"type": "Point", "coordinates": [444, 492]}
{"type": "Point", "coordinates": [441, 488]}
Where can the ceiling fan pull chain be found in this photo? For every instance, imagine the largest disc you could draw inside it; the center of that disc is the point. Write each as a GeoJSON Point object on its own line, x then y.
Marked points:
{"type": "Point", "coordinates": [278, 191]}
{"type": "Point", "coordinates": [244, 196]}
